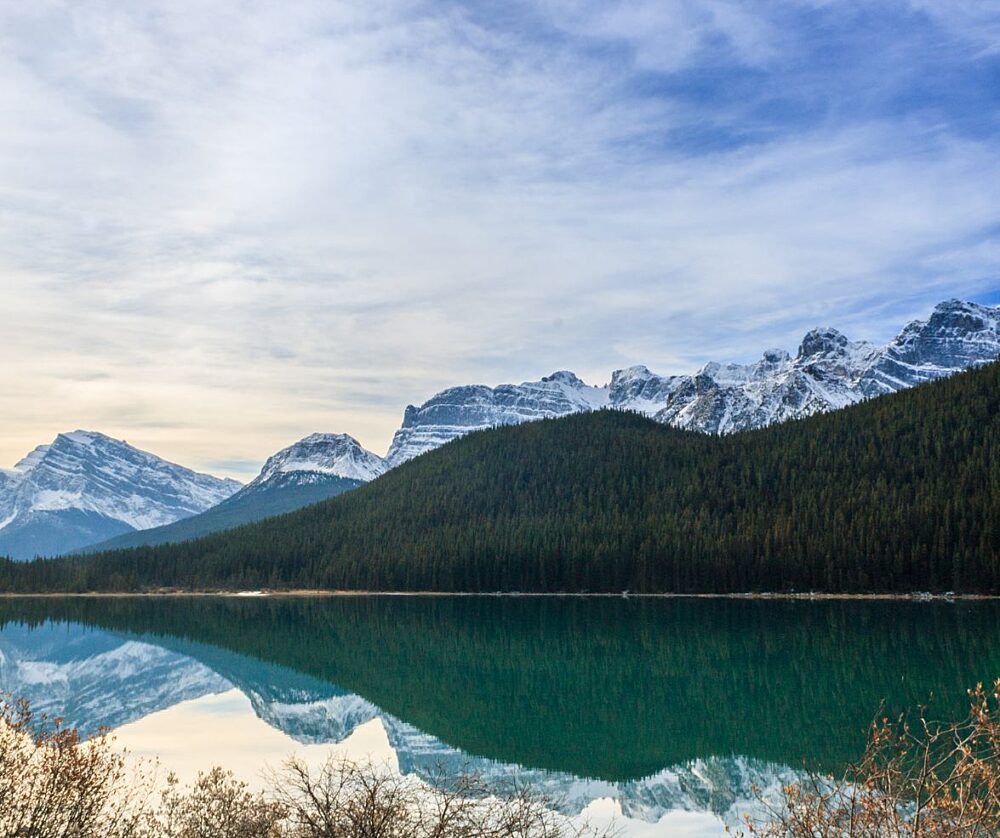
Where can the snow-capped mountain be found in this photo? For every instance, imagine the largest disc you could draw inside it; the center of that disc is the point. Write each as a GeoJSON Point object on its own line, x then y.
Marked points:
{"type": "Point", "coordinates": [317, 457]}
{"type": "Point", "coordinates": [827, 372]}
{"type": "Point", "coordinates": [84, 487]}
{"type": "Point", "coordinates": [309, 471]}
{"type": "Point", "coordinates": [956, 336]}
{"type": "Point", "coordinates": [460, 410]}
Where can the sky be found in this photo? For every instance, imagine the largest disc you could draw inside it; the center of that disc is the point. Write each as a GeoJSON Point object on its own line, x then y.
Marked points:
{"type": "Point", "coordinates": [225, 225]}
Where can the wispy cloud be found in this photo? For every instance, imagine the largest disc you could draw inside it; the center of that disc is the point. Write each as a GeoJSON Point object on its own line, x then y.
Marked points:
{"type": "Point", "coordinates": [225, 225]}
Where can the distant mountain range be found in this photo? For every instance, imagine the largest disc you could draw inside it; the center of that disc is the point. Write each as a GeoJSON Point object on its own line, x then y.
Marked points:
{"type": "Point", "coordinates": [827, 372]}
{"type": "Point", "coordinates": [93, 491]}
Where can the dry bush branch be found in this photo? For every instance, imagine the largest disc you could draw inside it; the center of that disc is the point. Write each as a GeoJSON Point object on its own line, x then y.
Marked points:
{"type": "Point", "coordinates": [53, 785]}
{"type": "Point", "coordinates": [345, 799]}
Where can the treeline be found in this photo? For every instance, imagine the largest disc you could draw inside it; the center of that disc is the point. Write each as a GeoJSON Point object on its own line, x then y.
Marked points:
{"type": "Point", "coordinates": [897, 494]}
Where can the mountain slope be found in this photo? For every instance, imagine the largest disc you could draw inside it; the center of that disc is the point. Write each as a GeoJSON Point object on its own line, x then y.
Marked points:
{"type": "Point", "coordinates": [85, 487]}
{"type": "Point", "coordinates": [895, 494]}
{"type": "Point", "coordinates": [245, 507]}
{"type": "Point", "coordinates": [315, 468]}
{"type": "Point", "coordinates": [827, 372]}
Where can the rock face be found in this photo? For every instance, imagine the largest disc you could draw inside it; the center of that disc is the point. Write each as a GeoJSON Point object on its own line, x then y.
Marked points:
{"type": "Point", "coordinates": [828, 372]}
{"type": "Point", "coordinates": [459, 410]}
{"type": "Point", "coordinates": [956, 336]}
{"type": "Point", "coordinates": [84, 487]}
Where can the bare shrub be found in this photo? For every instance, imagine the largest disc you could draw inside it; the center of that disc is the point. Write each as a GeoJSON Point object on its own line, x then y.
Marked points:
{"type": "Point", "coordinates": [917, 779]}
{"type": "Point", "coordinates": [345, 799]}
{"type": "Point", "coordinates": [53, 785]}
{"type": "Point", "coordinates": [216, 805]}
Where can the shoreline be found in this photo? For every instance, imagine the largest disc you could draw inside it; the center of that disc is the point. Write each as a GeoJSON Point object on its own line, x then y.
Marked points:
{"type": "Point", "coordinates": [316, 592]}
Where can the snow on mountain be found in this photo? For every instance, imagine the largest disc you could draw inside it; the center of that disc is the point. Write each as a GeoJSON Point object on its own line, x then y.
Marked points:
{"type": "Point", "coordinates": [956, 336]}
{"type": "Point", "coordinates": [460, 410]}
{"type": "Point", "coordinates": [84, 487]}
{"type": "Point", "coordinates": [318, 456]}
{"type": "Point", "coordinates": [828, 372]}
{"type": "Point", "coordinates": [318, 467]}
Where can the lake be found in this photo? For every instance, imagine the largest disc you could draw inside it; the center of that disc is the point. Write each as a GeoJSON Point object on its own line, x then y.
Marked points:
{"type": "Point", "coordinates": [663, 712]}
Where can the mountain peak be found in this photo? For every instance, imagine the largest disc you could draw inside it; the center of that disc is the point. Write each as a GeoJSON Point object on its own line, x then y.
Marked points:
{"type": "Point", "coordinates": [956, 335]}
{"type": "Point", "coordinates": [637, 372]}
{"type": "Point", "coordinates": [775, 356]}
{"type": "Point", "coordinates": [963, 316]}
{"type": "Point", "coordinates": [822, 341]}
{"type": "Point", "coordinates": [328, 439]}
{"type": "Point", "coordinates": [955, 304]}
{"type": "Point", "coordinates": [564, 377]}
{"type": "Point", "coordinates": [457, 411]}
{"type": "Point", "coordinates": [334, 455]}
{"type": "Point", "coordinates": [64, 441]}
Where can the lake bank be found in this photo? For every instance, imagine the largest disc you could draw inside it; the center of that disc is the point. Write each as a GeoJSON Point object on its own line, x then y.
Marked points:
{"type": "Point", "coordinates": [920, 596]}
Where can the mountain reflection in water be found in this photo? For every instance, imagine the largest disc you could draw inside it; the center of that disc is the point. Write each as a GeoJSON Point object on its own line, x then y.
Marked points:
{"type": "Point", "coordinates": [662, 705]}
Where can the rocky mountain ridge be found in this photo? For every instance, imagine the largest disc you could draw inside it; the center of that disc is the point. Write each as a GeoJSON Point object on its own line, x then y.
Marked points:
{"type": "Point", "coordinates": [828, 371]}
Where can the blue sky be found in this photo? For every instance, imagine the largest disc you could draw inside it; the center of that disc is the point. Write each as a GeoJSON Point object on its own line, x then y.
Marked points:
{"type": "Point", "coordinates": [225, 225]}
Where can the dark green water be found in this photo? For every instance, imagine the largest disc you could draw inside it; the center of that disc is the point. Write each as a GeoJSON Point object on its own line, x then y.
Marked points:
{"type": "Point", "coordinates": [603, 688]}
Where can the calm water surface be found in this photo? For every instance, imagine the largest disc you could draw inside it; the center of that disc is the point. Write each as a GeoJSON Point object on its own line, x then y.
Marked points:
{"type": "Point", "coordinates": [664, 712]}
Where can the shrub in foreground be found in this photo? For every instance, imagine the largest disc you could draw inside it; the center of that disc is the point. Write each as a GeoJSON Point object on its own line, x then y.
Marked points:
{"type": "Point", "coordinates": [53, 785]}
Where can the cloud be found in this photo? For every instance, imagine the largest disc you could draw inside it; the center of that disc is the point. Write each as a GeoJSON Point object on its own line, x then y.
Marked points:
{"type": "Point", "coordinates": [224, 226]}
{"type": "Point", "coordinates": [667, 35]}
{"type": "Point", "coordinates": [975, 21]}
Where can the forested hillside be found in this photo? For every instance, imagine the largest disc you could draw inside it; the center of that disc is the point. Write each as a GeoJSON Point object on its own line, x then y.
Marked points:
{"type": "Point", "coordinates": [895, 494]}
{"type": "Point", "coordinates": [245, 507]}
